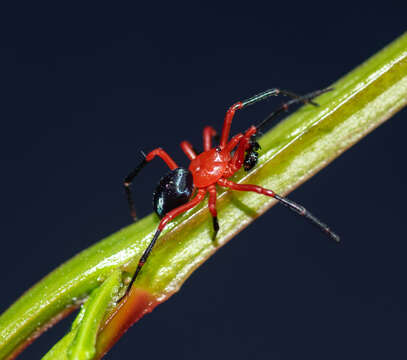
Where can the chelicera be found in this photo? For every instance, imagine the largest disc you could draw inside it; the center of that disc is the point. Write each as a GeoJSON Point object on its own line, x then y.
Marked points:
{"type": "Point", "coordinates": [182, 189]}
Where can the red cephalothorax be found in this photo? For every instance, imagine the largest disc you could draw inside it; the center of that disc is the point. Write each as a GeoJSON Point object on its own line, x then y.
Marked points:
{"type": "Point", "coordinates": [208, 167]}
{"type": "Point", "coordinates": [175, 193]}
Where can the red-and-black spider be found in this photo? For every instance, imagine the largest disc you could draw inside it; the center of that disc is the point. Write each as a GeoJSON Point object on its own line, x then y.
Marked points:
{"type": "Point", "coordinates": [174, 193]}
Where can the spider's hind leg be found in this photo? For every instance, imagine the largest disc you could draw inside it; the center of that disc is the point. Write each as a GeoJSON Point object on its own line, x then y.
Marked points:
{"type": "Point", "coordinates": [164, 221]}
{"type": "Point", "coordinates": [299, 209]}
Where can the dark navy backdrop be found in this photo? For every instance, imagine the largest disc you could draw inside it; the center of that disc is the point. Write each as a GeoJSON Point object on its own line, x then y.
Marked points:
{"type": "Point", "coordinates": [83, 89]}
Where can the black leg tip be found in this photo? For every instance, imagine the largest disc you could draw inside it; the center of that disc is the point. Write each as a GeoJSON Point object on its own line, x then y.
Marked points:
{"type": "Point", "coordinates": [334, 236]}
{"type": "Point", "coordinates": [215, 227]}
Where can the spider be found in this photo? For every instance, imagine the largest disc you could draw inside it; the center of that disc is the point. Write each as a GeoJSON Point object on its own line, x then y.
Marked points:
{"type": "Point", "coordinates": [174, 193]}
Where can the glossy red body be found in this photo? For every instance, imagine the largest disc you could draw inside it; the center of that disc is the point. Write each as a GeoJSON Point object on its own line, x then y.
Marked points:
{"type": "Point", "coordinates": [208, 167]}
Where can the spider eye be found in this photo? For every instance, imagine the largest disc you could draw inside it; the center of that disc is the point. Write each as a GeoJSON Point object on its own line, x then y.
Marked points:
{"type": "Point", "coordinates": [218, 149]}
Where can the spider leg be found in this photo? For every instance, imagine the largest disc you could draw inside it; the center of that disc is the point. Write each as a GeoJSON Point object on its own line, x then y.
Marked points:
{"type": "Point", "coordinates": [171, 215]}
{"type": "Point", "coordinates": [233, 142]}
{"type": "Point", "coordinates": [228, 123]}
{"type": "Point", "coordinates": [130, 177]}
{"type": "Point", "coordinates": [300, 210]}
{"type": "Point", "coordinates": [212, 209]}
{"type": "Point", "coordinates": [307, 98]}
{"type": "Point", "coordinates": [208, 133]}
{"type": "Point", "coordinates": [188, 149]}
{"type": "Point", "coordinates": [239, 155]}
{"type": "Point", "coordinates": [260, 97]}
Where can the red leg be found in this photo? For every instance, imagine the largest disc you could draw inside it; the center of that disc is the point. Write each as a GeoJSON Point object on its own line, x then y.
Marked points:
{"type": "Point", "coordinates": [171, 215]}
{"type": "Point", "coordinates": [228, 122]}
{"type": "Point", "coordinates": [188, 149]}
{"type": "Point", "coordinates": [212, 209]}
{"type": "Point", "coordinates": [233, 142]}
{"type": "Point", "coordinates": [238, 157]}
{"type": "Point", "coordinates": [163, 155]}
{"type": "Point", "coordinates": [208, 133]}
{"type": "Point", "coordinates": [181, 209]}
{"type": "Point", "coordinates": [130, 177]}
{"type": "Point", "coordinates": [245, 187]}
{"type": "Point", "coordinates": [286, 202]}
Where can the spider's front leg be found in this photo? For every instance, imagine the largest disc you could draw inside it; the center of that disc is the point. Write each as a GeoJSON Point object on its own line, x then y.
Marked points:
{"type": "Point", "coordinates": [245, 144]}
{"type": "Point", "coordinates": [305, 99]}
{"type": "Point", "coordinates": [250, 101]}
{"type": "Point", "coordinates": [208, 134]}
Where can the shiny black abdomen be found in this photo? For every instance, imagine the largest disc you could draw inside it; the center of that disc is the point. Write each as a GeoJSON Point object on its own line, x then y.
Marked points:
{"type": "Point", "coordinates": [173, 190]}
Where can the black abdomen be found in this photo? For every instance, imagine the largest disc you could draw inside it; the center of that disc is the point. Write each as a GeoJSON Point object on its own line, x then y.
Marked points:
{"type": "Point", "coordinates": [174, 189]}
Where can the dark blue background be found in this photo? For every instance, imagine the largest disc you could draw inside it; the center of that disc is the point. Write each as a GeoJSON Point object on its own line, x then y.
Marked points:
{"type": "Point", "coordinates": [83, 89]}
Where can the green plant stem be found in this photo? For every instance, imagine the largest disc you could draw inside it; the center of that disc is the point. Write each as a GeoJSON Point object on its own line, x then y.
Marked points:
{"type": "Point", "coordinates": [60, 350]}
{"type": "Point", "coordinates": [83, 346]}
{"type": "Point", "coordinates": [291, 153]}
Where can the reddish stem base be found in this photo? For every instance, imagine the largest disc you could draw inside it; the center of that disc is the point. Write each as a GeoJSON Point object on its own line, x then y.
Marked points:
{"type": "Point", "coordinates": [131, 308]}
